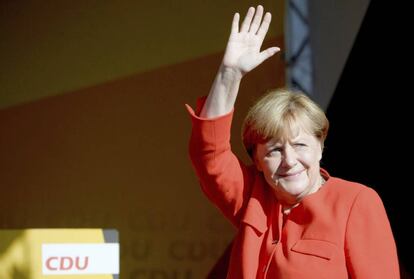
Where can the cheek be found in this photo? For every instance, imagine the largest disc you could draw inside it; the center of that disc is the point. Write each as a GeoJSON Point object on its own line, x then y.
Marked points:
{"type": "Point", "coordinates": [311, 158]}
{"type": "Point", "coordinates": [270, 166]}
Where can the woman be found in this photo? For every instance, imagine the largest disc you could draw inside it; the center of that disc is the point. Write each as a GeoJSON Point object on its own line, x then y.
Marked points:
{"type": "Point", "coordinates": [294, 220]}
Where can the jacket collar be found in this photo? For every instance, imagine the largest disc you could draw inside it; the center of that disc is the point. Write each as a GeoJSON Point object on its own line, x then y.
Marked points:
{"type": "Point", "coordinates": [258, 209]}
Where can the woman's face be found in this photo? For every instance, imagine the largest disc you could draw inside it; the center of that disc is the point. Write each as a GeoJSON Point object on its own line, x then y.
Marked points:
{"type": "Point", "coordinates": [291, 167]}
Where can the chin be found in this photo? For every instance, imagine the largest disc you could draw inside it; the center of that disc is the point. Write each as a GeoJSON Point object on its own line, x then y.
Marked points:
{"type": "Point", "coordinates": [297, 190]}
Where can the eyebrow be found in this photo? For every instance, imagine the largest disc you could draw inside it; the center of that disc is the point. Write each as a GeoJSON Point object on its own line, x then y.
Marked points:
{"type": "Point", "coordinates": [299, 139]}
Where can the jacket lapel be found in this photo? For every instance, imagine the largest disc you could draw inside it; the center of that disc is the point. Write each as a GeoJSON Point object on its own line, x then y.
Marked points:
{"type": "Point", "coordinates": [258, 206]}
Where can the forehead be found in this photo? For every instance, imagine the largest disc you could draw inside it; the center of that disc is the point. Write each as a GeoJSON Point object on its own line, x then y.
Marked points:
{"type": "Point", "coordinates": [298, 134]}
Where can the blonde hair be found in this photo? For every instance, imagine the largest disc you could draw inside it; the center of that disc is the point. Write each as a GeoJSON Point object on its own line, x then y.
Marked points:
{"type": "Point", "coordinates": [278, 114]}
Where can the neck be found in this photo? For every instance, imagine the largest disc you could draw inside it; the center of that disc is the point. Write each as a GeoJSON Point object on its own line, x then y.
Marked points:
{"type": "Point", "coordinates": [317, 185]}
{"type": "Point", "coordinates": [286, 208]}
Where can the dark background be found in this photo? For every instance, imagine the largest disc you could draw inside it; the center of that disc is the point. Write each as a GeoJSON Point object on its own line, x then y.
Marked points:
{"type": "Point", "coordinates": [370, 139]}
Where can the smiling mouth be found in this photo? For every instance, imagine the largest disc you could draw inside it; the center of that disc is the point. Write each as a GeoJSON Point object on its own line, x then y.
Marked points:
{"type": "Point", "coordinates": [290, 175]}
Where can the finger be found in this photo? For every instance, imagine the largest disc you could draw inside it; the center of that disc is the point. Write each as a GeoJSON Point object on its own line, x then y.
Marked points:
{"type": "Point", "coordinates": [256, 20]}
{"type": "Point", "coordinates": [264, 26]}
{"type": "Point", "coordinates": [247, 20]}
{"type": "Point", "coordinates": [235, 23]}
{"type": "Point", "coordinates": [267, 53]}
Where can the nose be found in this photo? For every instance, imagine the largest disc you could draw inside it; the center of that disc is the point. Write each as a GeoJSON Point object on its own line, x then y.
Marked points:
{"type": "Point", "coordinates": [289, 157]}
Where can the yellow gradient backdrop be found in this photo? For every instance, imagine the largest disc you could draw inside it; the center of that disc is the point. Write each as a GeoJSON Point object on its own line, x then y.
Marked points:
{"type": "Point", "coordinates": [97, 137]}
{"type": "Point", "coordinates": [54, 47]}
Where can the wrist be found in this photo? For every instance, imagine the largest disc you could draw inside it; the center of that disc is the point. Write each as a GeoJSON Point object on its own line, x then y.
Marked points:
{"type": "Point", "coordinates": [230, 74]}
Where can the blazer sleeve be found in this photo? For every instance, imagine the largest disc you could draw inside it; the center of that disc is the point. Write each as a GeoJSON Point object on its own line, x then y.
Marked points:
{"type": "Point", "coordinates": [224, 179]}
{"type": "Point", "coordinates": [370, 248]}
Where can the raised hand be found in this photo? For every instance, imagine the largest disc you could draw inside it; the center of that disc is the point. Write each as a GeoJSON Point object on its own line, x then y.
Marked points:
{"type": "Point", "coordinates": [243, 48]}
{"type": "Point", "coordinates": [241, 56]}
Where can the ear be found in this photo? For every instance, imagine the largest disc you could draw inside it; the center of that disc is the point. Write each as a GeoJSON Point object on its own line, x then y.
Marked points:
{"type": "Point", "coordinates": [257, 163]}
{"type": "Point", "coordinates": [321, 147]}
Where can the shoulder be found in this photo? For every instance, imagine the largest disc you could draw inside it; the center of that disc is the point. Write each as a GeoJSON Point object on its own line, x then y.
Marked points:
{"type": "Point", "coordinates": [346, 186]}
{"type": "Point", "coordinates": [352, 192]}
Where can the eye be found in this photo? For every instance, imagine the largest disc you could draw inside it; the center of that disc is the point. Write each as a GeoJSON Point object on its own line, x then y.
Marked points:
{"type": "Point", "coordinates": [274, 151]}
{"type": "Point", "coordinates": [299, 145]}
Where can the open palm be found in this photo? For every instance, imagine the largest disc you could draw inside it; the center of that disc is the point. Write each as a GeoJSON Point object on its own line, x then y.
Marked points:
{"type": "Point", "coordinates": [243, 48]}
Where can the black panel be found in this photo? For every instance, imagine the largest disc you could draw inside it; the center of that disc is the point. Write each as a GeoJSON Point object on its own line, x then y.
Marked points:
{"type": "Point", "coordinates": [371, 139]}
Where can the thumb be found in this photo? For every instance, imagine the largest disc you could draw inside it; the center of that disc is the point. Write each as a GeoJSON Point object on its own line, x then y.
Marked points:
{"type": "Point", "coordinates": [267, 53]}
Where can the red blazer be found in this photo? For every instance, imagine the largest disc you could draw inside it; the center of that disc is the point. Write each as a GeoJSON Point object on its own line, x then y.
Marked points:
{"type": "Point", "coordinates": [341, 231]}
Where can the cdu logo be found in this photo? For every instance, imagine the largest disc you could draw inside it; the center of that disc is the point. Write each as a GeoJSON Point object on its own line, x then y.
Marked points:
{"type": "Point", "coordinates": [80, 258]}
{"type": "Point", "coordinates": [67, 263]}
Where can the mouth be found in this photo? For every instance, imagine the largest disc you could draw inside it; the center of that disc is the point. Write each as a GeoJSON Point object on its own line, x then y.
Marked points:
{"type": "Point", "coordinates": [291, 175]}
